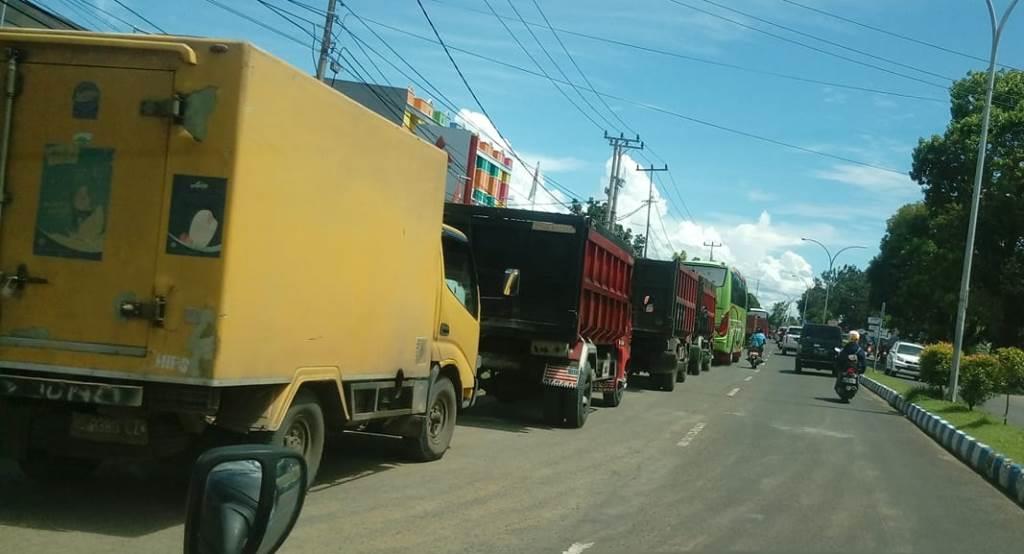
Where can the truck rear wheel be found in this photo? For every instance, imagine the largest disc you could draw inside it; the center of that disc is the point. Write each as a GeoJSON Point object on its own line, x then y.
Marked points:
{"type": "Point", "coordinates": [577, 401]}
{"type": "Point", "coordinates": [612, 399]}
{"type": "Point", "coordinates": [693, 364]}
{"type": "Point", "coordinates": [553, 405]}
{"type": "Point", "coordinates": [303, 431]}
{"type": "Point", "coordinates": [438, 423]}
{"type": "Point", "coordinates": [682, 370]}
{"type": "Point", "coordinates": [664, 381]}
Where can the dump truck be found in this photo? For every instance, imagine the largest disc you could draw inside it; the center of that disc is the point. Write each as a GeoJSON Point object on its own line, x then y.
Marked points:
{"type": "Point", "coordinates": [665, 342]}
{"type": "Point", "coordinates": [555, 307]}
{"type": "Point", "coordinates": [199, 240]}
{"type": "Point", "coordinates": [705, 327]}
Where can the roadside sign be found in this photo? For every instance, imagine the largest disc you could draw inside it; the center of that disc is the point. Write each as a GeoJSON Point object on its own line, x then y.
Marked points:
{"type": "Point", "coordinates": [873, 321]}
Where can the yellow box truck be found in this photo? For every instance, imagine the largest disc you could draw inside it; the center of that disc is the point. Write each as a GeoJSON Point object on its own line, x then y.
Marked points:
{"type": "Point", "coordinates": [196, 237]}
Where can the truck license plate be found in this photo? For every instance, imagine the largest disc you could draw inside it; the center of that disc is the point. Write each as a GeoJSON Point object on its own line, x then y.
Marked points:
{"type": "Point", "coordinates": [127, 430]}
{"type": "Point", "coordinates": [850, 380]}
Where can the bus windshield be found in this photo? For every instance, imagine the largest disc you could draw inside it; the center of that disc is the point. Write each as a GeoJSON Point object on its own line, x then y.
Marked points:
{"type": "Point", "coordinates": [714, 274]}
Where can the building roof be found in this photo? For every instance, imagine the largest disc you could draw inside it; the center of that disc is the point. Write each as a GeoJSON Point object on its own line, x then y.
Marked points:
{"type": "Point", "coordinates": [22, 13]}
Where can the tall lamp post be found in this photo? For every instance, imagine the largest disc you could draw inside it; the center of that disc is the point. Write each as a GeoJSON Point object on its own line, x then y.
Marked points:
{"type": "Point", "coordinates": [979, 168]}
{"type": "Point", "coordinates": [800, 313]}
{"type": "Point", "coordinates": [831, 262]}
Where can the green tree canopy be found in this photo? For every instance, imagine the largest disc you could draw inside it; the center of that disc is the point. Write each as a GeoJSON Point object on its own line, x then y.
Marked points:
{"type": "Point", "coordinates": [917, 270]}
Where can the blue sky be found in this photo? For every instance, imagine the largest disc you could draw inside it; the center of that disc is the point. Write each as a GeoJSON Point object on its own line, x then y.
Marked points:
{"type": "Point", "coordinates": [756, 198]}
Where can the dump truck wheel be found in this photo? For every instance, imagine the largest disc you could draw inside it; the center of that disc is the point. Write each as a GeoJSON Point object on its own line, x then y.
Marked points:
{"type": "Point", "coordinates": [664, 381]}
{"type": "Point", "coordinates": [577, 401]}
{"type": "Point", "coordinates": [705, 364]}
{"type": "Point", "coordinates": [682, 370]}
{"type": "Point", "coordinates": [43, 467]}
{"type": "Point", "coordinates": [613, 399]}
{"type": "Point", "coordinates": [303, 431]}
{"type": "Point", "coordinates": [553, 405]}
{"type": "Point", "coordinates": [438, 423]}
{"type": "Point", "coordinates": [693, 365]}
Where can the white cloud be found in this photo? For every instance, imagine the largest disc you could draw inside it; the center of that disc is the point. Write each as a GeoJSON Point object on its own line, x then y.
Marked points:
{"type": "Point", "coordinates": [758, 195]}
{"type": "Point", "coordinates": [553, 164]}
{"type": "Point", "coordinates": [760, 248]}
{"type": "Point", "coordinates": [832, 96]}
{"type": "Point", "coordinates": [869, 178]}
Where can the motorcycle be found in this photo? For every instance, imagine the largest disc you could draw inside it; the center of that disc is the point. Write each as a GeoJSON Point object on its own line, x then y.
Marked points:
{"type": "Point", "coordinates": [847, 382]}
{"type": "Point", "coordinates": [754, 357]}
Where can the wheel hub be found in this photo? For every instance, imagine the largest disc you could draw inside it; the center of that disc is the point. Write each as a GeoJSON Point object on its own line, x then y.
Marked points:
{"type": "Point", "coordinates": [297, 437]}
{"type": "Point", "coordinates": [437, 419]}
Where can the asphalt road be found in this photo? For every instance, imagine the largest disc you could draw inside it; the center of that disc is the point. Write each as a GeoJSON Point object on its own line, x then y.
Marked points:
{"type": "Point", "coordinates": [732, 460]}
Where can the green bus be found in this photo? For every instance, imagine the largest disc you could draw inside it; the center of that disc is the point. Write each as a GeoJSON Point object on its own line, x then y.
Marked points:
{"type": "Point", "coordinates": [730, 308]}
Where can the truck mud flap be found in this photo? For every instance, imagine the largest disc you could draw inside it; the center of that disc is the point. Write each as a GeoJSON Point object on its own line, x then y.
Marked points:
{"type": "Point", "coordinates": [607, 385]}
{"type": "Point", "coordinates": [566, 377]}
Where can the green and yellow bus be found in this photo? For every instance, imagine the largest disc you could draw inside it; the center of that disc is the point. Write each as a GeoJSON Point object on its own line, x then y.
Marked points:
{"type": "Point", "coordinates": [730, 308]}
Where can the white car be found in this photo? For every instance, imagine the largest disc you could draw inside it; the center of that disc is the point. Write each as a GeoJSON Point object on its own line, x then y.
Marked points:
{"type": "Point", "coordinates": [904, 357]}
{"type": "Point", "coordinates": [791, 342]}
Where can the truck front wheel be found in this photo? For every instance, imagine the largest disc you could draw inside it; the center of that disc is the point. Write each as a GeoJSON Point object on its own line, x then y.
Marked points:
{"type": "Point", "coordinates": [303, 431]}
{"type": "Point", "coordinates": [438, 423]}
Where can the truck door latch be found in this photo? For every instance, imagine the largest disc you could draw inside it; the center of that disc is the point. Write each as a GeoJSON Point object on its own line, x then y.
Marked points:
{"type": "Point", "coordinates": [16, 282]}
{"type": "Point", "coordinates": [153, 311]}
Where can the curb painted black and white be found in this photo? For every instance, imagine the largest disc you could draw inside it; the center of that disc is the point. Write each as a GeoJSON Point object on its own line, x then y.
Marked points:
{"type": "Point", "coordinates": [993, 466]}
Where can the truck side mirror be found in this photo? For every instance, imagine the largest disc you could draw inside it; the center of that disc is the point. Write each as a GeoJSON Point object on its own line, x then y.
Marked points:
{"type": "Point", "coordinates": [244, 499]}
{"type": "Point", "coordinates": [511, 284]}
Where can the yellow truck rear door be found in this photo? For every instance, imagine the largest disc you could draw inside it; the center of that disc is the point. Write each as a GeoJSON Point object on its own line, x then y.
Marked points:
{"type": "Point", "coordinates": [80, 231]}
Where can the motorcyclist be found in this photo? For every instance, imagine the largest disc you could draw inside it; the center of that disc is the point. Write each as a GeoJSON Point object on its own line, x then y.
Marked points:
{"type": "Point", "coordinates": [852, 348]}
{"type": "Point", "coordinates": [757, 341]}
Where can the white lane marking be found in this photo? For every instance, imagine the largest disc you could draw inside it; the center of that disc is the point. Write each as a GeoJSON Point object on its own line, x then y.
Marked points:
{"type": "Point", "coordinates": [814, 431]}
{"type": "Point", "coordinates": [749, 378]}
{"type": "Point", "coordinates": [733, 392]}
{"type": "Point", "coordinates": [757, 371]}
{"type": "Point", "coordinates": [691, 434]}
{"type": "Point", "coordinates": [578, 547]}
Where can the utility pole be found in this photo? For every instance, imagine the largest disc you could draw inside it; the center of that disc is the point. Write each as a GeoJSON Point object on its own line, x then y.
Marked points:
{"type": "Point", "coordinates": [533, 187]}
{"type": "Point", "coordinates": [713, 245]}
{"type": "Point", "coordinates": [650, 199]}
{"type": "Point", "coordinates": [619, 144]}
{"type": "Point", "coordinates": [972, 223]}
{"type": "Point", "coordinates": [325, 44]}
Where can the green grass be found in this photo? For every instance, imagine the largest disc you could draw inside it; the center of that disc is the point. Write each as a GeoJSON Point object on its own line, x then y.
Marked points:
{"type": "Point", "coordinates": [1006, 439]}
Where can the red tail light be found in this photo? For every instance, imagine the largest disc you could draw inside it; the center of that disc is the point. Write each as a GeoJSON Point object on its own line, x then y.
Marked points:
{"type": "Point", "coordinates": [851, 371]}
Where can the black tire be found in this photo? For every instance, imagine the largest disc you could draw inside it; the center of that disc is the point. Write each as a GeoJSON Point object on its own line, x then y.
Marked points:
{"type": "Point", "coordinates": [576, 402]}
{"type": "Point", "coordinates": [303, 431]}
{"type": "Point", "coordinates": [693, 365]}
{"type": "Point", "coordinates": [664, 381]}
{"type": "Point", "coordinates": [705, 363]}
{"type": "Point", "coordinates": [682, 370]}
{"type": "Point", "coordinates": [553, 405]}
{"type": "Point", "coordinates": [613, 399]}
{"type": "Point", "coordinates": [44, 468]}
{"type": "Point", "coordinates": [438, 423]}
{"type": "Point", "coordinates": [798, 366]}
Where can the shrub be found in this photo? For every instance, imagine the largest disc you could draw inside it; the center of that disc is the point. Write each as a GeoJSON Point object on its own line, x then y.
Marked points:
{"type": "Point", "coordinates": [979, 378]}
{"type": "Point", "coordinates": [936, 360]}
{"type": "Point", "coordinates": [1011, 374]}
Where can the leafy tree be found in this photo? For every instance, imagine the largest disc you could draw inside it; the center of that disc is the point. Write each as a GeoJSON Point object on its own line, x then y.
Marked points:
{"type": "Point", "coordinates": [847, 297]}
{"type": "Point", "coordinates": [752, 301]}
{"type": "Point", "coordinates": [679, 256]}
{"type": "Point", "coordinates": [597, 212]}
{"type": "Point", "coordinates": [778, 314]}
{"type": "Point", "coordinates": [918, 267]}
{"type": "Point", "coordinates": [978, 378]}
{"type": "Point", "coordinates": [639, 241]}
{"type": "Point", "coordinates": [935, 362]}
{"type": "Point", "coordinates": [1011, 374]}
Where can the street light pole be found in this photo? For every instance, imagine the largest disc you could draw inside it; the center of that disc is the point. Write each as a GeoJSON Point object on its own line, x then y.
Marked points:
{"type": "Point", "coordinates": [831, 262]}
{"type": "Point", "coordinates": [979, 168]}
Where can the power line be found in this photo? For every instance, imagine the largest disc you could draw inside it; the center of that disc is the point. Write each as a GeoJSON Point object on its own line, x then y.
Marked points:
{"type": "Point", "coordinates": [809, 46]}
{"type": "Point", "coordinates": [554, 63]}
{"type": "Point", "coordinates": [464, 80]}
{"type": "Point", "coordinates": [257, 22]}
{"type": "Point", "coordinates": [827, 41]}
{"type": "Point", "coordinates": [891, 33]}
{"type": "Point", "coordinates": [576, 65]}
{"type": "Point", "coordinates": [651, 107]}
{"type": "Point", "coordinates": [140, 16]}
{"type": "Point", "coordinates": [707, 61]}
{"type": "Point", "coordinates": [89, 5]}
{"type": "Point", "coordinates": [100, 23]}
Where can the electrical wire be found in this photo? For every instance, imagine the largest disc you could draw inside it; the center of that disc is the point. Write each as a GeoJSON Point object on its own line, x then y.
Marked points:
{"type": "Point", "coordinates": [555, 63]}
{"type": "Point", "coordinates": [707, 61]}
{"type": "Point", "coordinates": [140, 16]}
{"type": "Point", "coordinates": [100, 23]}
{"type": "Point", "coordinates": [257, 22]}
{"type": "Point", "coordinates": [651, 107]}
{"type": "Point", "coordinates": [827, 41]}
{"type": "Point", "coordinates": [89, 5]}
{"type": "Point", "coordinates": [892, 33]}
{"type": "Point", "coordinates": [809, 46]}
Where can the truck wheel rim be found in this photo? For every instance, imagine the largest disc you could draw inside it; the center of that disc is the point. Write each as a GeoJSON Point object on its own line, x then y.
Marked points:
{"type": "Point", "coordinates": [297, 437]}
{"type": "Point", "coordinates": [437, 419]}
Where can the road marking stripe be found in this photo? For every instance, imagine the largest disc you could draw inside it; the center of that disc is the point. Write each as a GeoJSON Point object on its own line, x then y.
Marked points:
{"type": "Point", "coordinates": [691, 434]}
{"type": "Point", "coordinates": [578, 547]}
{"type": "Point", "coordinates": [749, 378]}
{"type": "Point", "coordinates": [733, 392]}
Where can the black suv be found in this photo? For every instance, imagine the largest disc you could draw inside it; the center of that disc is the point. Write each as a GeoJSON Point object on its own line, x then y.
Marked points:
{"type": "Point", "coordinates": [818, 344]}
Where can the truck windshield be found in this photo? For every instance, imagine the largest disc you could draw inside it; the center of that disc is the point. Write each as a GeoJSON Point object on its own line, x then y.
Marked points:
{"type": "Point", "coordinates": [714, 274]}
